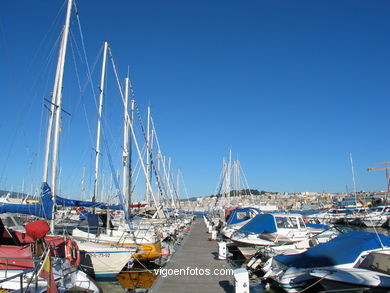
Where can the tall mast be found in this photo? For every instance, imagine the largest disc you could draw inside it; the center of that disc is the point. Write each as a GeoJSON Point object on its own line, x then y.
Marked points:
{"type": "Point", "coordinates": [52, 110]}
{"type": "Point", "coordinates": [178, 183]}
{"type": "Point", "coordinates": [130, 185]}
{"type": "Point", "coordinates": [56, 111]}
{"type": "Point", "coordinates": [125, 152]}
{"type": "Point", "coordinates": [149, 186]}
{"type": "Point", "coordinates": [170, 183]}
{"type": "Point", "coordinates": [229, 173]}
{"type": "Point", "coordinates": [97, 150]}
{"type": "Point", "coordinates": [50, 126]}
{"type": "Point", "coordinates": [83, 185]}
{"type": "Point", "coordinates": [158, 172]}
{"type": "Point", "coordinates": [147, 154]}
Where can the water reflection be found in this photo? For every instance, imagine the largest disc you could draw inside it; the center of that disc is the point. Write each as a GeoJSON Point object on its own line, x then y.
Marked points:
{"type": "Point", "coordinates": [137, 279]}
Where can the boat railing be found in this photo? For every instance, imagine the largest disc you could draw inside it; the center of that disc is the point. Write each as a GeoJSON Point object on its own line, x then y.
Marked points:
{"type": "Point", "coordinates": [21, 277]}
{"type": "Point", "coordinates": [357, 289]}
{"type": "Point", "coordinates": [10, 262]}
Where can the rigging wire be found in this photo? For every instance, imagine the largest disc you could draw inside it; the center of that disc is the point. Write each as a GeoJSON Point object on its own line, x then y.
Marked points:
{"type": "Point", "coordinates": [246, 182]}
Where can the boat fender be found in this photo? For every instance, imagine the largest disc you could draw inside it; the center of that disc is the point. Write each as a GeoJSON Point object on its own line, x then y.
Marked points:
{"type": "Point", "coordinates": [72, 253]}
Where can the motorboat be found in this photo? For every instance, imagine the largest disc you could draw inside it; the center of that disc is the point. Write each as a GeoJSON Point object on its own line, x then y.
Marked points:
{"type": "Point", "coordinates": [270, 230]}
{"type": "Point", "coordinates": [238, 218]}
{"type": "Point", "coordinates": [372, 274]}
{"type": "Point", "coordinates": [376, 217]}
{"type": "Point", "coordinates": [293, 272]}
{"type": "Point", "coordinates": [265, 252]}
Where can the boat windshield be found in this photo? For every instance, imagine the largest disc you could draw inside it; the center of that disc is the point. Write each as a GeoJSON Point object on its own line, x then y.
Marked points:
{"type": "Point", "coordinates": [301, 223]}
{"type": "Point", "coordinates": [286, 222]}
{"type": "Point", "coordinates": [377, 261]}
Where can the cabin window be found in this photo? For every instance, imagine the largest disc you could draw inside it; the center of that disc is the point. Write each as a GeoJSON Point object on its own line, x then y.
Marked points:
{"type": "Point", "coordinates": [301, 223]}
{"type": "Point", "coordinates": [286, 222]}
{"type": "Point", "coordinates": [292, 223]}
{"type": "Point", "coordinates": [242, 216]}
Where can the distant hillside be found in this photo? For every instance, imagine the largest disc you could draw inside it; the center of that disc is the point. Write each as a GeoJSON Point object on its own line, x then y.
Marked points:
{"type": "Point", "coordinates": [243, 192]}
{"type": "Point", "coordinates": [233, 193]}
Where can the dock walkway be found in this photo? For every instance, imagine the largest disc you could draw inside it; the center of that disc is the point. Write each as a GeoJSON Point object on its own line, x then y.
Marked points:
{"type": "Point", "coordinates": [197, 253]}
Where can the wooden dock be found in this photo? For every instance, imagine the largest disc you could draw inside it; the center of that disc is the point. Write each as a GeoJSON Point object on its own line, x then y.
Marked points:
{"type": "Point", "coordinates": [196, 252]}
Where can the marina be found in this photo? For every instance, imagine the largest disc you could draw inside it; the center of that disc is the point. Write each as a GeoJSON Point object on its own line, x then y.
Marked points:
{"type": "Point", "coordinates": [108, 161]}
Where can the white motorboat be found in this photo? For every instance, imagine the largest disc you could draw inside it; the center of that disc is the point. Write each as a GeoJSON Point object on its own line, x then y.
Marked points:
{"type": "Point", "coordinates": [372, 274]}
{"type": "Point", "coordinates": [237, 219]}
{"type": "Point", "coordinates": [293, 272]}
{"type": "Point", "coordinates": [272, 229]}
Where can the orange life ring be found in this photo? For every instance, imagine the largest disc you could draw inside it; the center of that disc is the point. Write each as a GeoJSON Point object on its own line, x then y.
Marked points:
{"type": "Point", "coordinates": [72, 253]}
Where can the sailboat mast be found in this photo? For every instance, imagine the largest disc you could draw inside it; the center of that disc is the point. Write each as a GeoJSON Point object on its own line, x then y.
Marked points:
{"type": "Point", "coordinates": [230, 174]}
{"type": "Point", "coordinates": [57, 97]}
{"type": "Point", "coordinates": [147, 154]}
{"type": "Point", "coordinates": [178, 184]}
{"type": "Point", "coordinates": [97, 150]}
{"type": "Point", "coordinates": [125, 152]}
{"type": "Point", "coordinates": [130, 185]}
{"type": "Point", "coordinates": [50, 126]}
{"type": "Point", "coordinates": [83, 185]}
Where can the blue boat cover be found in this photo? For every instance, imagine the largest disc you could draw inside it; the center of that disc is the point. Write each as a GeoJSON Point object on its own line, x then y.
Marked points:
{"type": "Point", "coordinates": [317, 226]}
{"type": "Point", "coordinates": [343, 249]}
{"type": "Point", "coordinates": [240, 215]}
{"type": "Point", "coordinates": [262, 223]}
{"type": "Point", "coordinates": [42, 209]}
{"type": "Point", "coordinates": [86, 204]}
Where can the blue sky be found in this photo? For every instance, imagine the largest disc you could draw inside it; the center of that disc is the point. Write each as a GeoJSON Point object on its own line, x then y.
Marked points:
{"type": "Point", "coordinates": [292, 87]}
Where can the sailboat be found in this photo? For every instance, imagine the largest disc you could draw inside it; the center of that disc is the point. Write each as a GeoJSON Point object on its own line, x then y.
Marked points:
{"type": "Point", "coordinates": [146, 242]}
{"type": "Point", "coordinates": [99, 260]}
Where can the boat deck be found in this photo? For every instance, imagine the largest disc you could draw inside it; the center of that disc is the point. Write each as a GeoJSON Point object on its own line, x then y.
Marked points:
{"type": "Point", "coordinates": [196, 252]}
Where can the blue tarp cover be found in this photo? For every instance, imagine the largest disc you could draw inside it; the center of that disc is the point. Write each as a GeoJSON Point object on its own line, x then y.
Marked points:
{"type": "Point", "coordinates": [240, 215]}
{"type": "Point", "coordinates": [86, 204]}
{"type": "Point", "coordinates": [343, 249]}
{"type": "Point", "coordinates": [263, 223]}
{"type": "Point", "coordinates": [317, 226]}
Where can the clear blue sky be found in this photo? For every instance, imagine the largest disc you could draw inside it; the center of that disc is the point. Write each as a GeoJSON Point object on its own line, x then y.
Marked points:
{"type": "Point", "coordinates": [292, 87]}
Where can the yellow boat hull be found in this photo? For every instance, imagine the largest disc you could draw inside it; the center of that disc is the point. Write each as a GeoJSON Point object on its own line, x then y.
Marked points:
{"type": "Point", "coordinates": [146, 251]}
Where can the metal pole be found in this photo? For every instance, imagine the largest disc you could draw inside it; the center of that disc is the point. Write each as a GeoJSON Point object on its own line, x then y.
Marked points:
{"type": "Point", "coordinates": [57, 112]}
{"type": "Point", "coordinates": [97, 150]}
{"type": "Point", "coordinates": [125, 152]}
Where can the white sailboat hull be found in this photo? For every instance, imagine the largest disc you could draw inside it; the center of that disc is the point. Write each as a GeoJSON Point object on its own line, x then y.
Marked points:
{"type": "Point", "coordinates": [104, 261]}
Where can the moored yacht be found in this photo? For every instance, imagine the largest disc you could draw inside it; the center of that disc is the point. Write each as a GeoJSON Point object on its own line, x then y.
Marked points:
{"type": "Point", "coordinates": [293, 272]}
{"type": "Point", "coordinates": [372, 274]}
{"type": "Point", "coordinates": [238, 218]}
{"type": "Point", "coordinates": [270, 230]}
